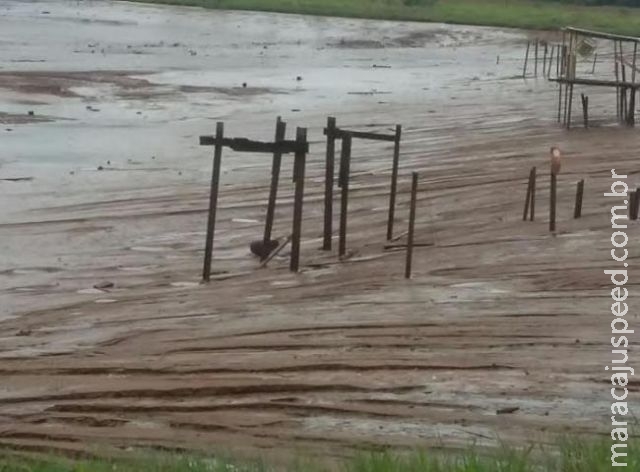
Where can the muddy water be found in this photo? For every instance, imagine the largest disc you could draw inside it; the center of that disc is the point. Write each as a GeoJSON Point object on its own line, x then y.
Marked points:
{"type": "Point", "coordinates": [498, 315]}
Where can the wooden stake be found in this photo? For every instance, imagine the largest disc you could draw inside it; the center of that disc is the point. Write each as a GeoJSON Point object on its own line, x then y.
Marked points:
{"type": "Point", "coordinates": [552, 206]}
{"type": "Point", "coordinates": [275, 177]}
{"type": "Point", "coordinates": [213, 202]}
{"type": "Point", "coordinates": [412, 222]}
{"type": "Point", "coordinates": [595, 59]}
{"type": "Point", "coordinates": [570, 106]}
{"type": "Point", "coordinates": [532, 209]}
{"type": "Point", "coordinates": [577, 209]}
{"type": "Point", "coordinates": [298, 176]}
{"type": "Point", "coordinates": [394, 182]}
{"type": "Point", "coordinates": [329, 171]}
{"type": "Point", "coordinates": [526, 60]}
{"type": "Point", "coordinates": [636, 204]}
{"type": "Point", "coordinates": [345, 163]}
{"type": "Point", "coordinates": [632, 204]}
{"type": "Point", "coordinates": [527, 202]}
{"type": "Point", "coordinates": [585, 109]}
{"type": "Point", "coordinates": [544, 59]}
{"type": "Point", "coordinates": [535, 67]}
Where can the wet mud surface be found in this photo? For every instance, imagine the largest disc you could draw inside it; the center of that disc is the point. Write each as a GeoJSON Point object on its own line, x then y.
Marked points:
{"type": "Point", "coordinates": [106, 335]}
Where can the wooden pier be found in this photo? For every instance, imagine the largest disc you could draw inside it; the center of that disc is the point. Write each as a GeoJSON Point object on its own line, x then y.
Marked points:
{"type": "Point", "coordinates": [622, 76]}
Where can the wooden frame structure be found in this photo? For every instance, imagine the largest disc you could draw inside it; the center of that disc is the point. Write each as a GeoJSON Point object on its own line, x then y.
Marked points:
{"type": "Point", "coordinates": [299, 147]}
{"type": "Point", "coordinates": [626, 86]}
{"type": "Point", "coordinates": [332, 132]}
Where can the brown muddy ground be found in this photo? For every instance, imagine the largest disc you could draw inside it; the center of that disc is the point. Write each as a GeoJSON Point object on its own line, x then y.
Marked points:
{"type": "Point", "coordinates": [500, 315]}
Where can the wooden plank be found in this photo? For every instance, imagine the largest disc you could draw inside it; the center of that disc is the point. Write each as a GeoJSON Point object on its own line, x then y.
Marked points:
{"type": "Point", "coordinates": [249, 145]}
{"type": "Point", "coordinates": [340, 133]}
{"type": "Point", "coordinates": [601, 35]}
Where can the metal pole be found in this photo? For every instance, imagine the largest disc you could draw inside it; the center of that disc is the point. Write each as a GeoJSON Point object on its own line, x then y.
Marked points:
{"type": "Point", "coordinates": [213, 202]}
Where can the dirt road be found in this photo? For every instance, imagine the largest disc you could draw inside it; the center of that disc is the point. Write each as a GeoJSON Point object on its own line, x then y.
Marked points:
{"type": "Point", "coordinates": [500, 315]}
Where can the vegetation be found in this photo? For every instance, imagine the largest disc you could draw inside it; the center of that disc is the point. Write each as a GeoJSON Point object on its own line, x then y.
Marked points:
{"type": "Point", "coordinates": [530, 14]}
{"type": "Point", "coordinates": [573, 455]}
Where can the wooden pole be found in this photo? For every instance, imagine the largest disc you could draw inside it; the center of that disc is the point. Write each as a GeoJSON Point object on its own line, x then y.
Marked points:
{"type": "Point", "coordinates": [636, 204]}
{"type": "Point", "coordinates": [345, 163]}
{"type": "Point", "coordinates": [412, 222]}
{"type": "Point", "coordinates": [631, 119]}
{"type": "Point", "coordinates": [615, 59]}
{"type": "Point", "coordinates": [552, 206]}
{"type": "Point", "coordinates": [526, 60]}
{"type": "Point", "coordinates": [298, 176]}
{"type": "Point", "coordinates": [553, 49]}
{"type": "Point", "coordinates": [532, 209]}
{"type": "Point", "coordinates": [527, 201]}
{"type": "Point", "coordinates": [577, 209]}
{"type": "Point", "coordinates": [535, 67]}
{"type": "Point", "coordinates": [394, 182]}
{"type": "Point", "coordinates": [275, 177]}
{"type": "Point", "coordinates": [329, 171]}
{"type": "Point", "coordinates": [544, 59]}
{"type": "Point", "coordinates": [585, 109]}
{"type": "Point", "coordinates": [213, 202]}
{"type": "Point", "coordinates": [595, 59]}
{"type": "Point", "coordinates": [570, 106]}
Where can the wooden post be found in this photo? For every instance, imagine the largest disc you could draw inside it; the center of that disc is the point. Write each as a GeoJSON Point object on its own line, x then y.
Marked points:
{"type": "Point", "coordinates": [298, 176]}
{"type": "Point", "coordinates": [632, 204]}
{"type": "Point", "coordinates": [329, 171]}
{"type": "Point", "coordinates": [595, 59]}
{"type": "Point", "coordinates": [552, 207]}
{"type": "Point", "coordinates": [636, 204]}
{"type": "Point", "coordinates": [577, 209]}
{"type": "Point", "coordinates": [213, 202]}
{"type": "Point", "coordinates": [526, 60]}
{"type": "Point", "coordinates": [394, 182]}
{"type": "Point", "coordinates": [412, 221]}
{"type": "Point", "coordinates": [275, 177]}
{"type": "Point", "coordinates": [585, 109]}
{"type": "Point", "coordinates": [570, 106]}
{"type": "Point", "coordinates": [544, 59]}
{"type": "Point", "coordinates": [532, 208]}
{"type": "Point", "coordinates": [345, 163]}
{"type": "Point", "coordinates": [615, 59]}
{"type": "Point", "coordinates": [631, 116]}
{"type": "Point", "coordinates": [553, 49]}
{"type": "Point", "coordinates": [535, 67]}
{"type": "Point", "coordinates": [527, 202]}
{"type": "Point", "coordinates": [556, 156]}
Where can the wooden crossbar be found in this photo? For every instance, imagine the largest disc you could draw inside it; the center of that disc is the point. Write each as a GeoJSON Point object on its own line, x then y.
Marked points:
{"type": "Point", "coordinates": [341, 133]}
{"type": "Point", "coordinates": [249, 145]}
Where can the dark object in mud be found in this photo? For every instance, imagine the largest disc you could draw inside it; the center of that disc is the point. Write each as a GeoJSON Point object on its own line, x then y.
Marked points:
{"type": "Point", "coordinates": [262, 249]}
{"type": "Point", "coordinates": [104, 285]}
{"type": "Point", "coordinates": [244, 85]}
{"type": "Point", "coordinates": [299, 78]}
{"type": "Point", "coordinates": [30, 113]}
{"type": "Point", "coordinates": [100, 168]}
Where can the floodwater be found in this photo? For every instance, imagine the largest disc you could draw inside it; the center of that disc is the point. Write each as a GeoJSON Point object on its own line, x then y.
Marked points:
{"type": "Point", "coordinates": [105, 182]}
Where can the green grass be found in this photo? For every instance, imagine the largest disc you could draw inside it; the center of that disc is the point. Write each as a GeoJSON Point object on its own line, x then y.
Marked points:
{"type": "Point", "coordinates": [530, 14]}
{"type": "Point", "coordinates": [572, 455]}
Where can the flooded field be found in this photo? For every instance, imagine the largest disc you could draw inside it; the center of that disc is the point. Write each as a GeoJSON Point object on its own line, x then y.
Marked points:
{"type": "Point", "coordinates": [501, 334]}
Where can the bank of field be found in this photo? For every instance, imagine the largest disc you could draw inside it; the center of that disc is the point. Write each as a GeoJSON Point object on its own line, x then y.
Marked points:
{"type": "Point", "coordinates": [567, 455]}
{"type": "Point", "coordinates": [508, 13]}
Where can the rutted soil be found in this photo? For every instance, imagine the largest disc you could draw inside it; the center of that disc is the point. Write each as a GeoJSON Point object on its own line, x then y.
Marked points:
{"type": "Point", "coordinates": [499, 334]}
